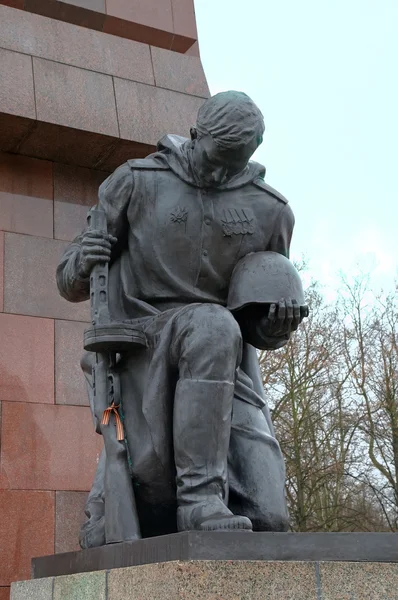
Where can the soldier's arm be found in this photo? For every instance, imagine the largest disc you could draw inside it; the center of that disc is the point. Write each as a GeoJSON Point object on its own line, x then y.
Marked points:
{"type": "Point", "coordinates": [282, 231]}
{"type": "Point", "coordinates": [90, 247]}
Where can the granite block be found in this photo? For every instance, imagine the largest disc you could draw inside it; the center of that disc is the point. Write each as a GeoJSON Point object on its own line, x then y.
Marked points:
{"type": "Point", "coordinates": [226, 546]}
{"type": "Point", "coordinates": [184, 19]}
{"type": "Point", "coordinates": [5, 593]}
{"type": "Point", "coordinates": [14, 3]}
{"type": "Point", "coordinates": [13, 130]}
{"type": "Point", "coordinates": [48, 447]}
{"type": "Point", "coordinates": [26, 195]}
{"type": "Point", "coordinates": [210, 580]}
{"type": "Point", "coordinates": [69, 517]}
{"type": "Point", "coordinates": [16, 89]}
{"type": "Point", "coordinates": [40, 589]}
{"type": "Point", "coordinates": [75, 97]}
{"type": "Point", "coordinates": [27, 359]}
{"type": "Point", "coordinates": [80, 47]}
{"type": "Point", "coordinates": [358, 581]}
{"type": "Point", "coordinates": [75, 190]}
{"type": "Point", "coordinates": [65, 11]}
{"type": "Point", "coordinates": [66, 145]}
{"type": "Point", "coordinates": [138, 32]}
{"type": "Point", "coordinates": [146, 114]}
{"type": "Point", "coordinates": [70, 384]}
{"type": "Point", "coordinates": [26, 529]}
{"type": "Point", "coordinates": [96, 5]}
{"type": "Point", "coordinates": [153, 13]}
{"type": "Point", "coordinates": [179, 72]}
{"type": "Point", "coordinates": [90, 586]}
{"type": "Point", "coordinates": [1, 271]}
{"type": "Point", "coordinates": [193, 50]}
{"type": "Point", "coordinates": [123, 151]}
{"type": "Point", "coordinates": [29, 279]}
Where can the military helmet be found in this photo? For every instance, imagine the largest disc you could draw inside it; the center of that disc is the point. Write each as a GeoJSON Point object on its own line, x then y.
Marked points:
{"type": "Point", "coordinates": [264, 278]}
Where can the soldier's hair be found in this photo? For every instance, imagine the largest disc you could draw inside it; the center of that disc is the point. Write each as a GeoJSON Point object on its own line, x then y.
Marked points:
{"type": "Point", "coordinates": [232, 119]}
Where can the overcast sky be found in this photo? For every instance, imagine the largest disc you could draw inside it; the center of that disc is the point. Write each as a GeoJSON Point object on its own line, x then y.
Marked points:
{"type": "Point", "coordinates": [325, 75]}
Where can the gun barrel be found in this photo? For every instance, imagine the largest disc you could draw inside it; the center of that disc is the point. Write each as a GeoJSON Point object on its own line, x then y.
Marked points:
{"type": "Point", "coordinates": [96, 220]}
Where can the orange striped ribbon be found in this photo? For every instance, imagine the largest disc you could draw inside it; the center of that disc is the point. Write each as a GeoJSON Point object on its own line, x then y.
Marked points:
{"type": "Point", "coordinates": [119, 425]}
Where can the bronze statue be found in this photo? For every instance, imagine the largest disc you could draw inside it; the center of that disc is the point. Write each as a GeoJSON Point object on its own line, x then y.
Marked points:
{"type": "Point", "coordinates": [197, 448]}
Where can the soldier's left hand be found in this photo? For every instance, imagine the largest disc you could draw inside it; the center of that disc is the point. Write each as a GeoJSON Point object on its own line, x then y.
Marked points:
{"type": "Point", "coordinates": [283, 317]}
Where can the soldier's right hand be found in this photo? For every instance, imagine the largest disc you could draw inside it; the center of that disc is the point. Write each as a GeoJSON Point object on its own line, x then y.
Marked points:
{"type": "Point", "coordinates": [95, 248]}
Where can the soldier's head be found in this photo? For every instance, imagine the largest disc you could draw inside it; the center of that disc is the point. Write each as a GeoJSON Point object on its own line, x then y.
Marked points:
{"type": "Point", "coordinates": [229, 129]}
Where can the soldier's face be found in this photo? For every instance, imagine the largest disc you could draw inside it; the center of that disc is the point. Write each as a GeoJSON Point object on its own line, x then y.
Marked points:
{"type": "Point", "coordinates": [215, 165]}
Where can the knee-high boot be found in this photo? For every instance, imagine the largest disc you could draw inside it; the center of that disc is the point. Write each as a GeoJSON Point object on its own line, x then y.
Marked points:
{"type": "Point", "coordinates": [202, 427]}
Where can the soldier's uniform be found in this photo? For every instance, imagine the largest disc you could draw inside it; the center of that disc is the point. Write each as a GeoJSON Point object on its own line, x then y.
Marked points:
{"type": "Point", "coordinates": [177, 247]}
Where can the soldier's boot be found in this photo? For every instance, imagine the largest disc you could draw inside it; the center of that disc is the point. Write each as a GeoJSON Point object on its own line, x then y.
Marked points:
{"type": "Point", "coordinates": [202, 427]}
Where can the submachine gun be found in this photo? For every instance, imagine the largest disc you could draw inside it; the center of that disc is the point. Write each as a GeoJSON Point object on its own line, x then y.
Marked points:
{"type": "Point", "coordinates": [108, 339]}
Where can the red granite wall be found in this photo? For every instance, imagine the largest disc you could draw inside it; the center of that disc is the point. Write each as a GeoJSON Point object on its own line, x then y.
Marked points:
{"type": "Point", "coordinates": [48, 447]}
{"type": "Point", "coordinates": [75, 102]}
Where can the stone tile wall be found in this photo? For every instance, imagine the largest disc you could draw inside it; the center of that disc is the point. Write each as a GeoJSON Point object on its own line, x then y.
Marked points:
{"type": "Point", "coordinates": [48, 447]}
{"type": "Point", "coordinates": [84, 85]}
{"type": "Point", "coordinates": [167, 24]}
{"type": "Point", "coordinates": [222, 580]}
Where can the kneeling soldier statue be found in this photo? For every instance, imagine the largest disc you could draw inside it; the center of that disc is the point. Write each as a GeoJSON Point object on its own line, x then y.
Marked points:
{"type": "Point", "coordinates": [197, 247]}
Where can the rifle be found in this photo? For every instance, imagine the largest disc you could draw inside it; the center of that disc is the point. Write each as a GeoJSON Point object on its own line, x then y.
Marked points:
{"type": "Point", "coordinates": [107, 339]}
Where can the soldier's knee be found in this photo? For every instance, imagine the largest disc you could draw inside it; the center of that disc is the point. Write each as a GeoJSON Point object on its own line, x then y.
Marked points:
{"type": "Point", "coordinates": [215, 326]}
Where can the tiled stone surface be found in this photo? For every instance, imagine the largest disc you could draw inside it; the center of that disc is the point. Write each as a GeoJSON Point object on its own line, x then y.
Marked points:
{"type": "Point", "coordinates": [64, 11]}
{"type": "Point", "coordinates": [29, 279]}
{"type": "Point", "coordinates": [16, 89]}
{"type": "Point", "coordinates": [66, 43]}
{"type": "Point", "coordinates": [69, 516]}
{"type": "Point", "coordinates": [39, 589]}
{"type": "Point", "coordinates": [87, 586]}
{"type": "Point", "coordinates": [65, 145]}
{"type": "Point", "coordinates": [14, 3]}
{"type": "Point", "coordinates": [97, 5]}
{"type": "Point", "coordinates": [70, 386]}
{"type": "Point", "coordinates": [26, 530]}
{"type": "Point", "coordinates": [26, 195]}
{"type": "Point", "coordinates": [75, 190]}
{"type": "Point", "coordinates": [1, 270]}
{"type": "Point", "coordinates": [123, 151]}
{"type": "Point", "coordinates": [214, 580]}
{"type": "Point", "coordinates": [228, 580]}
{"type": "Point", "coordinates": [193, 50]}
{"type": "Point", "coordinates": [74, 97]}
{"type": "Point", "coordinates": [161, 23]}
{"type": "Point", "coordinates": [13, 130]}
{"type": "Point", "coordinates": [5, 593]}
{"type": "Point", "coordinates": [139, 32]}
{"type": "Point", "coordinates": [153, 13]}
{"type": "Point", "coordinates": [47, 447]}
{"type": "Point", "coordinates": [179, 72]}
{"type": "Point", "coordinates": [26, 359]}
{"type": "Point", "coordinates": [147, 113]}
{"type": "Point", "coordinates": [359, 581]}
{"type": "Point", "coordinates": [184, 18]}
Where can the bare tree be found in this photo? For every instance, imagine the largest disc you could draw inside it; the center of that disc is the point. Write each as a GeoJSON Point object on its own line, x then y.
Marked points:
{"type": "Point", "coordinates": [320, 422]}
{"type": "Point", "coordinates": [371, 354]}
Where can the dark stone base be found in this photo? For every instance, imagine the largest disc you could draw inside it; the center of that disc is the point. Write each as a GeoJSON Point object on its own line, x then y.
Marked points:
{"type": "Point", "coordinates": [195, 545]}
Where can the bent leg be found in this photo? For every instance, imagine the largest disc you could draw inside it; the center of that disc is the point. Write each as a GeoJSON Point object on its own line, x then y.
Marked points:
{"type": "Point", "coordinates": [206, 350]}
{"type": "Point", "coordinates": [256, 470]}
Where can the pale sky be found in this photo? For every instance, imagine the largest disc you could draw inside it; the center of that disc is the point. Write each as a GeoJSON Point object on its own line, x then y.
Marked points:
{"type": "Point", "coordinates": [325, 75]}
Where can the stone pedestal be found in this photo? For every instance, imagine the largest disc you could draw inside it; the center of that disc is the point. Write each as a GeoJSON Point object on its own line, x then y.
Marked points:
{"type": "Point", "coordinates": [223, 566]}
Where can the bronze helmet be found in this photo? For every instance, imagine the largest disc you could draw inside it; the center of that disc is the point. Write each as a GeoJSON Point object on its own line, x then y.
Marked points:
{"type": "Point", "coordinates": [264, 278]}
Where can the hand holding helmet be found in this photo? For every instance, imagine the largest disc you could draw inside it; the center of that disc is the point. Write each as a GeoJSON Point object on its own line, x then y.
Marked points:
{"type": "Point", "coordinates": [267, 299]}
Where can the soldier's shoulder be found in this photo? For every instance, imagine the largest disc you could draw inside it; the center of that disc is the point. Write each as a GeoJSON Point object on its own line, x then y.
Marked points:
{"type": "Point", "coordinates": [150, 164]}
{"type": "Point", "coordinates": [260, 183]}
